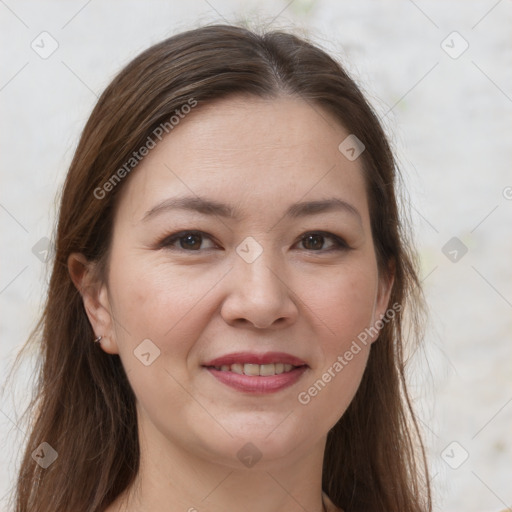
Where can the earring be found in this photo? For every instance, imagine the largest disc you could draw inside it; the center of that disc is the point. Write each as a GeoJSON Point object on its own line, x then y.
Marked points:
{"type": "Point", "coordinates": [98, 339]}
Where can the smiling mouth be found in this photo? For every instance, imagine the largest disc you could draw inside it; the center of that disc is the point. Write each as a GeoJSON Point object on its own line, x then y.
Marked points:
{"type": "Point", "coordinates": [254, 370]}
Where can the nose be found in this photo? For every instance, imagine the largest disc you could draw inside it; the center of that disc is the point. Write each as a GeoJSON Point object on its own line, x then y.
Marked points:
{"type": "Point", "coordinates": [259, 296]}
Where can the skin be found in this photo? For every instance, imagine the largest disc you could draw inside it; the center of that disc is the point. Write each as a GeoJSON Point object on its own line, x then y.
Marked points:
{"type": "Point", "coordinates": [259, 157]}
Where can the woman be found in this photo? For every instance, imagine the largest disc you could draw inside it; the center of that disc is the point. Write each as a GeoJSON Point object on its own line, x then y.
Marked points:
{"type": "Point", "coordinates": [223, 329]}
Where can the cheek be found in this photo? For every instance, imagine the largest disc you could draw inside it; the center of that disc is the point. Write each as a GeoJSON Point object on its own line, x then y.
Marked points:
{"type": "Point", "coordinates": [344, 301]}
{"type": "Point", "coordinates": [344, 305]}
{"type": "Point", "coordinates": [156, 302]}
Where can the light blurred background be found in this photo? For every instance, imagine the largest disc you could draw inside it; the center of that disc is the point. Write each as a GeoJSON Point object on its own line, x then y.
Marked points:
{"type": "Point", "coordinates": [440, 76]}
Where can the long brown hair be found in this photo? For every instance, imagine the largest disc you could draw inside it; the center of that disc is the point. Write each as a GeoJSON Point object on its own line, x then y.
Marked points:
{"type": "Point", "coordinates": [84, 407]}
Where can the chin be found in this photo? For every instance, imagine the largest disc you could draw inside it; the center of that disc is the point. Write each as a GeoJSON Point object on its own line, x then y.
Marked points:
{"type": "Point", "coordinates": [254, 446]}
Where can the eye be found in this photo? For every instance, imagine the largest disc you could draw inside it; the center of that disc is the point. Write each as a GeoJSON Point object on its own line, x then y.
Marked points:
{"type": "Point", "coordinates": [195, 241]}
{"type": "Point", "coordinates": [187, 241]}
{"type": "Point", "coordinates": [322, 241]}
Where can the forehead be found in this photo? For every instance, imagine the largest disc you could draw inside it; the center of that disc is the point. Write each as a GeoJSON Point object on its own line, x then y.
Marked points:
{"type": "Point", "coordinates": [251, 152]}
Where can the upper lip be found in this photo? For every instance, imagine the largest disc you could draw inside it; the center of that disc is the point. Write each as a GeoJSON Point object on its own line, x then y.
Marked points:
{"type": "Point", "coordinates": [255, 358]}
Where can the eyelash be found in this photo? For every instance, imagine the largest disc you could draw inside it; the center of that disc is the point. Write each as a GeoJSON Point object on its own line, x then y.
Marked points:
{"type": "Point", "coordinates": [166, 243]}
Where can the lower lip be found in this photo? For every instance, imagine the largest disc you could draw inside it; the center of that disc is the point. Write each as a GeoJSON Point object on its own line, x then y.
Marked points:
{"type": "Point", "coordinates": [258, 384]}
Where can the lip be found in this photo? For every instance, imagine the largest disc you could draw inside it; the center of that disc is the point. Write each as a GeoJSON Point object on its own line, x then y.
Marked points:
{"type": "Point", "coordinates": [254, 358]}
{"type": "Point", "coordinates": [258, 384]}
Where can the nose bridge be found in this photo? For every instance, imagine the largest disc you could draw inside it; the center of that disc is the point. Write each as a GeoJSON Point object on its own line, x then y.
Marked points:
{"type": "Point", "coordinates": [259, 271]}
{"type": "Point", "coordinates": [258, 293]}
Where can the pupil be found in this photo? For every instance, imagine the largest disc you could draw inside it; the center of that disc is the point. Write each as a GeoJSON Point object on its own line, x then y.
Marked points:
{"type": "Point", "coordinates": [314, 241]}
{"type": "Point", "coordinates": [191, 242]}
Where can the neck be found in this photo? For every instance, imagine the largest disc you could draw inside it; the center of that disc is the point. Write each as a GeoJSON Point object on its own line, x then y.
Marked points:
{"type": "Point", "coordinates": [171, 477]}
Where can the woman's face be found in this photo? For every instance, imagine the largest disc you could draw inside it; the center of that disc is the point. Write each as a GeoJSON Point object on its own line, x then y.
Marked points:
{"type": "Point", "coordinates": [243, 238]}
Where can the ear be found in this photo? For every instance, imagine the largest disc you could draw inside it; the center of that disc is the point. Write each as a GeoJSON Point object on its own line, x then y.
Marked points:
{"type": "Point", "coordinates": [384, 287]}
{"type": "Point", "coordinates": [95, 298]}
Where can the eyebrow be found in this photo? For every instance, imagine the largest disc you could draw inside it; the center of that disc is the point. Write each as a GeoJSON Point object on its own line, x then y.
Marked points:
{"type": "Point", "coordinates": [211, 207]}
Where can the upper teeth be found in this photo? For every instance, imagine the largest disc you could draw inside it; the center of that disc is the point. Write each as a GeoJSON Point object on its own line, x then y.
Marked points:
{"type": "Point", "coordinates": [256, 369]}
